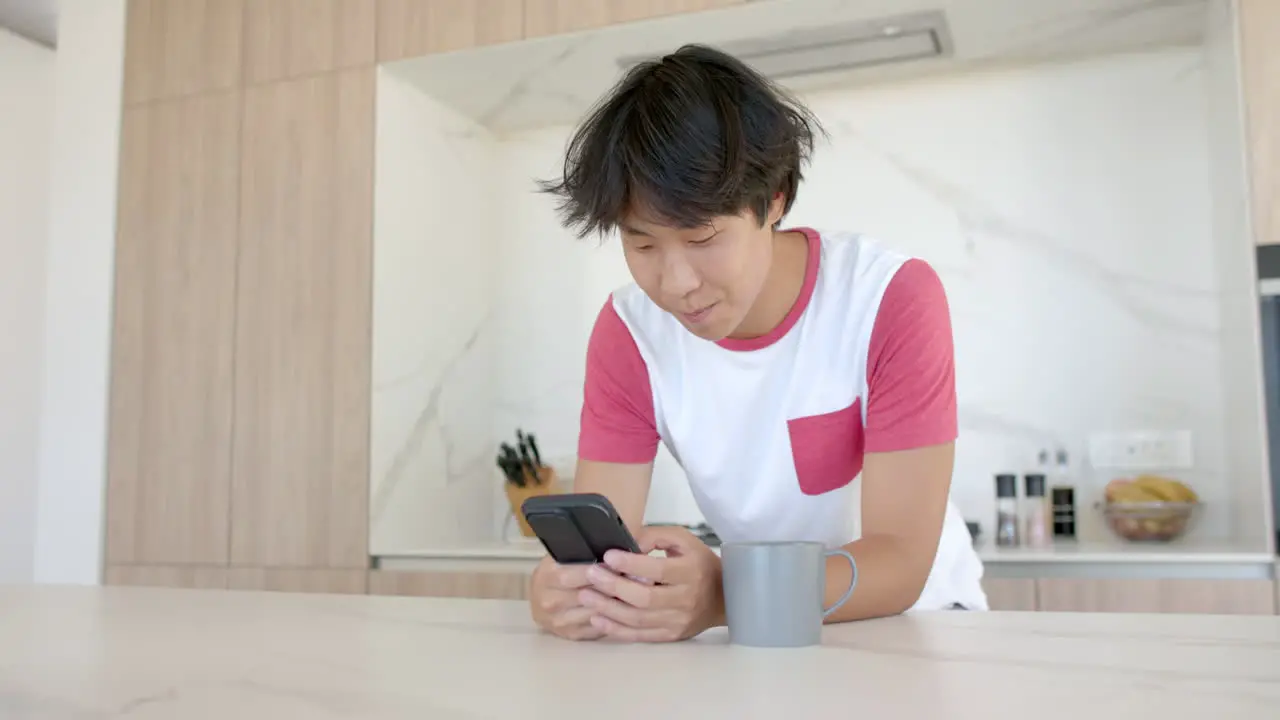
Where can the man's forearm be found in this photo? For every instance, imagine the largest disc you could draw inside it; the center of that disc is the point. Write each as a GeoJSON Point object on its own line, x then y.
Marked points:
{"type": "Point", "coordinates": [890, 578]}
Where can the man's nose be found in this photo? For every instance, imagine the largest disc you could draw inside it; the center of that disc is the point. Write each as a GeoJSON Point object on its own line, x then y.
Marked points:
{"type": "Point", "coordinates": [678, 276]}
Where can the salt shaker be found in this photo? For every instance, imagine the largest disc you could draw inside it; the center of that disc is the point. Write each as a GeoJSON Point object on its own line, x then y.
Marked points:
{"type": "Point", "coordinates": [1006, 510]}
{"type": "Point", "coordinates": [1035, 512]}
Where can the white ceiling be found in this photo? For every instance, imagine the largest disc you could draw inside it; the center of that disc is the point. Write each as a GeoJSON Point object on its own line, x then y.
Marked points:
{"type": "Point", "coordinates": [554, 80]}
{"type": "Point", "coordinates": [33, 19]}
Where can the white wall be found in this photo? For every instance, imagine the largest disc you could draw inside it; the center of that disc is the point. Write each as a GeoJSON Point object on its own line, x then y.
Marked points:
{"type": "Point", "coordinates": [435, 235]}
{"type": "Point", "coordinates": [78, 297]}
{"type": "Point", "coordinates": [26, 106]}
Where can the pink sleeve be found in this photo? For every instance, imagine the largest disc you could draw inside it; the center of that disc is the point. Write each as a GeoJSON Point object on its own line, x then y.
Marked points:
{"type": "Point", "coordinates": [617, 403]}
{"type": "Point", "coordinates": [911, 380]}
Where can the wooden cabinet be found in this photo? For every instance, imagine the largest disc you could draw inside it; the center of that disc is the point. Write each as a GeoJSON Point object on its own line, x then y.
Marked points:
{"type": "Point", "coordinates": [553, 17]}
{"type": "Point", "coordinates": [431, 583]}
{"type": "Point", "coordinates": [1242, 597]}
{"type": "Point", "coordinates": [238, 438]}
{"type": "Point", "coordinates": [169, 422]}
{"type": "Point", "coordinates": [291, 38]}
{"type": "Point", "coordinates": [1013, 594]}
{"type": "Point", "coordinates": [408, 28]}
{"type": "Point", "coordinates": [300, 479]}
{"type": "Point", "coordinates": [175, 48]}
{"type": "Point", "coordinates": [1259, 28]}
{"type": "Point", "coordinates": [192, 577]}
{"type": "Point", "coordinates": [307, 580]}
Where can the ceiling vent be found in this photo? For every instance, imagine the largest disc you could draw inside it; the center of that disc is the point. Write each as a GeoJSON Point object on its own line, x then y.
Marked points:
{"type": "Point", "coordinates": [834, 48]}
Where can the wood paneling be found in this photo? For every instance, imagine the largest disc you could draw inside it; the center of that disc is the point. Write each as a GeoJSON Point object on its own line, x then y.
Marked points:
{"type": "Point", "coordinates": [1231, 597]}
{"type": "Point", "coordinates": [300, 481]}
{"type": "Point", "coordinates": [553, 17]}
{"type": "Point", "coordinates": [181, 47]}
{"type": "Point", "coordinates": [1259, 27]}
{"type": "Point", "coordinates": [408, 28]}
{"type": "Point", "coordinates": [169, 429]}
{"type": "Point", "coordinates": [1010, 593]}
{"type": "Point", "coordinates": [347, 582]}
{"type": "Point", "coordinates": [291, 38]}
{"type": "Point", "coordinates": [492, 585]}
{"type": "Point", "coordinates": [191, 576]}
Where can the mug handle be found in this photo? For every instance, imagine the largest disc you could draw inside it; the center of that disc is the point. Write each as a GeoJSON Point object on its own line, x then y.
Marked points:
{"type": "Point", "coordinates": [853, 582]}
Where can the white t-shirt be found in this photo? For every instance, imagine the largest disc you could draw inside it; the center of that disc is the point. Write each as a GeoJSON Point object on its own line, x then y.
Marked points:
{"type": "Point", "coordinates": [771, 431]}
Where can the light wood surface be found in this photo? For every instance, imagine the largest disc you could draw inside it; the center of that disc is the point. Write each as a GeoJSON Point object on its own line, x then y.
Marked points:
{"type": "Point", "coordinates": [408, 28]}
{"type": "Point", "coordinates": [291, 38]}
{"type": "Point", "coordinates": [300, 481]}
{"type": "Point", "coordinates": [1010, 593]}
{"type": "Point", "coordinates": [1230, 597]}
{"type": "Point", "coordinates": [306, 580]}
{"type": "Point", "coordinates": [160, 653]}
{"type": "Point", "coordinates": [181, 47]}
{"type": "Point", "coordinates": [169, 429]}
{"type": "Point", "coordinates": [493, 585]}
{"type": "Point", "coordinates": [553, 17]}
{"type": "Point", "coordinates": [195, 577]}
{"type": "Point", "coordinates": [1259, 27]}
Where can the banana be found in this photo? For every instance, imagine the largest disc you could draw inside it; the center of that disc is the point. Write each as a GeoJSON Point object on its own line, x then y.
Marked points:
{"type": "Point", "coordinates": [1165, 489]}
{"type": "Point", "coordinates": [1133, 492]}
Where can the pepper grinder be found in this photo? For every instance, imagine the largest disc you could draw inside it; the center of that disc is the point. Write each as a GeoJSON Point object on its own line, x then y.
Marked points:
{"type": "Point", "coordinates": [1006, 510]}
{"type": "Point", "coordinates": [1035, 512]}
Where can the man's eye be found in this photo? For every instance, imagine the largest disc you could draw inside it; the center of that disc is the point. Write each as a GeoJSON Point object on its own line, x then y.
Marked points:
{"type": "Point", "coordinates": [703, 241]}
{"type": "Point", "coordinates": [641, 248]}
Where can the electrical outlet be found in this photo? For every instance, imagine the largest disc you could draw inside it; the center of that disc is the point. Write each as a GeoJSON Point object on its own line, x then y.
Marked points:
{"type": "Point", "coordinates": [1141, 450]}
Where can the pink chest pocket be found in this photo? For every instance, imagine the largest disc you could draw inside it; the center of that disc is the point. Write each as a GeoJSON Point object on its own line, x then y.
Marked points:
{"type": "Point", "coordinates": [827, 449]}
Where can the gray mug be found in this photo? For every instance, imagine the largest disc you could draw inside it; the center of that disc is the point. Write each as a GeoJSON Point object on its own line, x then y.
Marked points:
{"type": "Point", "coordinates": [773, 592]}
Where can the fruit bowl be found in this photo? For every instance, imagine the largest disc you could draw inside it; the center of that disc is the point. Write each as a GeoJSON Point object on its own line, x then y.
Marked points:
{"type": "Point", "coordinates": [1149, 521]}
{"type": "Point", "coordinates": [1149, 508]}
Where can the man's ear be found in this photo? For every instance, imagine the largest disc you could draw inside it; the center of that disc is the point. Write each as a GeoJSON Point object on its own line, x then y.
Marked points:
{"type": "Point", "coordinates": [777, 207]}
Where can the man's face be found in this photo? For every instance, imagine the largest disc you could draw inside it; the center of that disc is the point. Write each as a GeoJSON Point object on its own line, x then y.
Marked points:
{"type": "Point", "coordinates": [707, 277]}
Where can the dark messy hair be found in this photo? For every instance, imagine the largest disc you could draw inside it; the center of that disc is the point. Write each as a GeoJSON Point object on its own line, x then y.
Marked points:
{"type": "Point", "coordinates": [687, 137]}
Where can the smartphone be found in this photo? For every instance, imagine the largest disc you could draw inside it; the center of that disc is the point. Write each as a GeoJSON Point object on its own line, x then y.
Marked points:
{"type": "Point", "coordinates": [577, 528]}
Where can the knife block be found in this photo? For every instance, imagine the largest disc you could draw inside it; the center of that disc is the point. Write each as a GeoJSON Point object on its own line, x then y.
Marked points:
{"type": "Point", "coordinates": [544, 484]}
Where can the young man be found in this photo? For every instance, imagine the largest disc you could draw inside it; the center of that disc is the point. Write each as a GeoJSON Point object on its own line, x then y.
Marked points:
{"type": "Point", "coordinates": [775, 364]}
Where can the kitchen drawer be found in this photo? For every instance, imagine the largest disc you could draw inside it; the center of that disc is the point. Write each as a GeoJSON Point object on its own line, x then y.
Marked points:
{"type": "Point", "coordinates": [1010, 593]}
{"type": "Point", "coordinates": [421, 583]}
{"type": "Point", "coordinates": [1227, 597]}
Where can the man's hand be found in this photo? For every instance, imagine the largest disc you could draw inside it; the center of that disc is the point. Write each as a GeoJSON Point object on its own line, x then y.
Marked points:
{"type": "Point", "coordinates": [642, 598]}
{"type": "Point", "coordinates": [553, 595]}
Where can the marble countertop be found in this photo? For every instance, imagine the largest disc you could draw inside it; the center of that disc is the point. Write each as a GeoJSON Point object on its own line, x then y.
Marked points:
{"type": "Point", "coordinates": [84, 653]}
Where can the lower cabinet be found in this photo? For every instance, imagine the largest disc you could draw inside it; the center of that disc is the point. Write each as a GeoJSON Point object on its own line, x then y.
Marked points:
{"type": "Point", "coordinates": [298, 580]}
{"type": "Point", "coordinates": [191, 577]}
{"type": "Point", "coordinates": [1210, 596]}
{"type": "Point", "coordinates": [423, 583]}
{"type": "Point", "coordinates": [1010, 594]}
{"type": "Point", "coordinates": [200, 577]}
{"type": "Point", "coordinates": [1223, 597]}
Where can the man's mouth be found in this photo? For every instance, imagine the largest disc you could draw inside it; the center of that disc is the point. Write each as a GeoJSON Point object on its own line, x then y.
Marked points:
{"type": "Point", "coordinates": [698, 316]}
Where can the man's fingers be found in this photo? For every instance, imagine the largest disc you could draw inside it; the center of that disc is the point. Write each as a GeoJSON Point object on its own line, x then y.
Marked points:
{"type": "Point", "coordinates": [618, 631]}
{"type": "Point", "coordinates": [575, 624]}
{"type": "Point", "coordinates": [573, 617]}
{"type": "Point", "coordinates": [568, 577]}
{"type": "Point", "coordinates": [654, 569]}
{"type": "Point", "coordinates": [637, 594]}
{"type": "Point", "coordinates": [616, 610]}
{"type": "Point", "coordinates": [674, 540]}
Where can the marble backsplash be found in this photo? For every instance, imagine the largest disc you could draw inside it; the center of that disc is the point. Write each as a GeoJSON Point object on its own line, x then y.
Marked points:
{"type": "Point", "coordinates": [1067, 208]}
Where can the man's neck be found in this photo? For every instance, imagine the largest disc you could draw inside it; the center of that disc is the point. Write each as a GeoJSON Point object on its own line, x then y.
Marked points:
{"type": "Point", "coordinates": [781, 289]}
